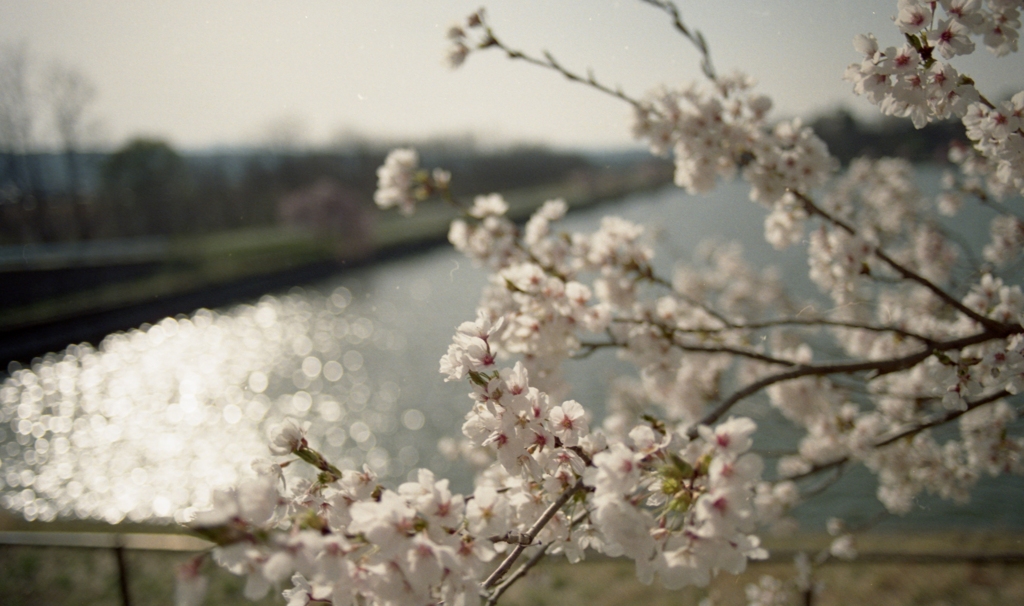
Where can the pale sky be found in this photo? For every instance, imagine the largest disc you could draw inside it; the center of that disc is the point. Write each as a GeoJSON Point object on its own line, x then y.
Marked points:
{"type": "Point", "coordinates": [222, 72]}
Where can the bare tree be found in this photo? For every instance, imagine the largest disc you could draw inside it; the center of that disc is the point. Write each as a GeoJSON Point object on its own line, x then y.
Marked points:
{"type": "Point", "coordinates": [20, 174]}
{"type": "Point", "coordinates": [70, 94]}
{"type": "Point", "coordinates": [286, 134]}
{"type": "Point", "coordinates": [38, 111]}
{"type": "Point", "coordinates": [16, 110]}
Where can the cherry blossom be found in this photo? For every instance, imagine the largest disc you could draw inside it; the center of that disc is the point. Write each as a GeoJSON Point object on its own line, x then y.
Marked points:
{"type": "Point", "coordinates": [396, 179]}
{"type": "Point", "coordinates": [918, 334]}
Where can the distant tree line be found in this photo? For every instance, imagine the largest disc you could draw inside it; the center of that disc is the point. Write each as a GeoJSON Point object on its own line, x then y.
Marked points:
{"type": "Point", "coordinates": [848, 138]}
{"type": "Point", "coordinates": [55, 188]}
{"type": "Point", "coordinates": [40, 108]}
{"type": "Point", "coordinates": [147, 188]}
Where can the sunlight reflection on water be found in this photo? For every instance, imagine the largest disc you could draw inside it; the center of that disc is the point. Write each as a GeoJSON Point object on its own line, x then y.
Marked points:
{"type": "Point", "coordinates": [152, 420]}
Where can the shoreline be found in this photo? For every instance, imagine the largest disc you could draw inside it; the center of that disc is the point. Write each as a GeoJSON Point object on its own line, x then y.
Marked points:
{"type": "Point", "coordinates": [187, 280]}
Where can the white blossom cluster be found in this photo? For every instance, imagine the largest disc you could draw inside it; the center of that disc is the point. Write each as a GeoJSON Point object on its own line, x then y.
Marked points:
{"type": "Point", "coordinates": [914, 80]}
{"type": "Point", "coordinates": [396, 179]}
{"type": "Point", "coordinates": [401, 183]}
{"type": "Point", "coordinates": [708, 133]}
{"type": "Point", "coordinates": [681, 508]}
{"type": "Point", "coordinates": [919, 334]}
{"type": "Point", "coordinates": [722, 130]}
{"type": "Point", "coordinates": [768, 591]}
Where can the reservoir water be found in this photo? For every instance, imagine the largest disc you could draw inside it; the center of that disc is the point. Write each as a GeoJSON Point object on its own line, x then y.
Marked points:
{"type": "Point", "coordinates": [149, 422]}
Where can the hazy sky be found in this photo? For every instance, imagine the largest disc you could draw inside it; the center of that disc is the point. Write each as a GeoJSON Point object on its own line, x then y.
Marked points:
{"type": "Point", "coordinates": [209, 72]}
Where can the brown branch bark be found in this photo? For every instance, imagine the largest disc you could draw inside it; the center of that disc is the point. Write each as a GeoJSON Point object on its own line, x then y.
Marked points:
{"type": "Point", "coordinates": [905, 272]}
{"type": "Point", "coordinates": [695, 37]}
{"type": "Point", "coordinates": [812, 322]}
{"type": "Point", "coordinates": [549, 62]}
{"type": "Point", "coordinates": [531, 534]}
{"type": "Point", "coordinates": [753, 355]}
{"type": "Point", "coordinates": [880, 367]}
{"type": "Point", "coordinates": [909, 431]}
{"type": "Point", "coordinates": [518, 574]}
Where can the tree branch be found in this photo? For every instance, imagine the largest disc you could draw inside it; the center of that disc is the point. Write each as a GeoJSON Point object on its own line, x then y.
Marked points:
{"type": "Point", "coordinates": [886, 366]}
{"type": "Point", "coordinates": [906, 272]}
{"type": "Point", "coordinates": [590, 347]}
{"type": "Point", "coordinates": [988, 201]}
{"type": "Point", "coordinates": [836, 324]}
{"type": "Point", "coordinates": [753, 355]}
{"type": "Point", "coordinates": [518, 574]}
{"type": "Point", "coordinates": [910, 431]}
{"type": "Point", "coordinates": [820, 488]}
{"type": "Point", "coordinates": [532, 533]}
{"type": "Point", "coordinates": [791, 322]}
{"type": "Point", "coordinates": [694, 37]}
{"type": "Point", "coordinates": [549, 62]}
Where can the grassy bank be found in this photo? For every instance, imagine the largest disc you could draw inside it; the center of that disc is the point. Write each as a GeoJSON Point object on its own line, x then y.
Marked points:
{"type": "Point", "coordinates": [76, 576]}
{"type": "Point", "coordinates": [192, 264]}
{"type": "Point", "coordinates": [894, 569]}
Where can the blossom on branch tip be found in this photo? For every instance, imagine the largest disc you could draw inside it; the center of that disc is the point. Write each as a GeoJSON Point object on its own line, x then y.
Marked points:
{"type": "Point", "coordinates": [569, 422]}
{"type": "Point", "coordinates": [287, 436]}
{"type": "Point", "coordinates": [913, 15]}
{"type": "Point", "coordinates": [470, 350]}
{"type": "Point", "coordinates": [492, 205]}
{"type": "Point", "coordinates": [732, 437]}
{"type": "Point", "coordinates": [396, 180]}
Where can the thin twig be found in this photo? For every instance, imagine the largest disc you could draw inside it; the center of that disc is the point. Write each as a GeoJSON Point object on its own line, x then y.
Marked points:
{"type": "Point", "coordinates": [694, 37]}
{"type": "Point", "coordinates": [987, 200]}
{"type": "Point", "coordinates": [840, 470]}
{"type": "Point", "coordinates": [837, 324]}
{"type": "Point", "coordinates": [518, 574]}
{"type": "Point", "coordinates": [549, 62]}
{"type": "Point", "coordinates": [533, 561]}
{"type": "Point", "coordinates": [815, 323]}
{"type": "Point", "coordinates": [910, 431]}
{"type": "Point", "coordinates": [591, 347]}
{"type": "Point", "coordinates": [743, 353]}
{"type": "Point", "coordinates": [904, 271]}
{"type": "Point", "coordinates": [945, 418]}
{"type": "Point", "coordinates": [880, 367]}
{"type": "Point", "coordinates": [532, 533]}
{"type": "Point", "coordinates": [647, 273]}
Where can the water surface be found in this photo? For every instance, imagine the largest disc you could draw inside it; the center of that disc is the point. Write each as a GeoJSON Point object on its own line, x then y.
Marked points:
{"type": "Point", "coordinates": [149, 422]}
